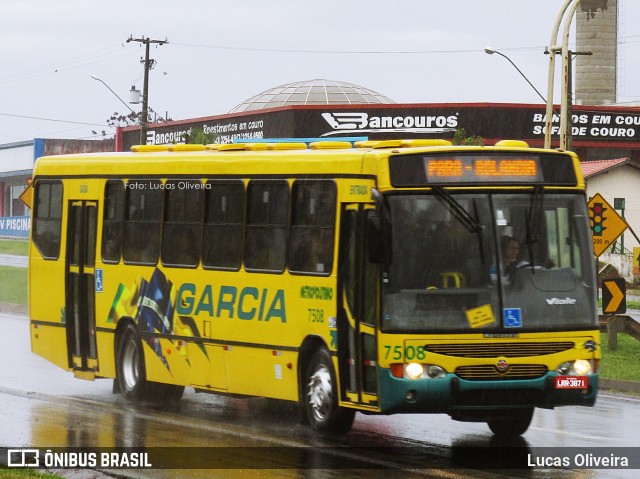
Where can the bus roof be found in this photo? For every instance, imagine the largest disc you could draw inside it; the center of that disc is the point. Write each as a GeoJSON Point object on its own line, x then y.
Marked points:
{"type": "Point", "coordinates": [295, 158]}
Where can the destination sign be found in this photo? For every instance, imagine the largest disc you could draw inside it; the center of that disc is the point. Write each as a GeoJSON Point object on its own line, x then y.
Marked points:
{"type": "Point", "coordinates": [481, 169]}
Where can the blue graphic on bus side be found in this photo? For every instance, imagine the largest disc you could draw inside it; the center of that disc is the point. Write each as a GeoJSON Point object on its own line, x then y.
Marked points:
{"type": "Point", "coordinates": [512, 317]}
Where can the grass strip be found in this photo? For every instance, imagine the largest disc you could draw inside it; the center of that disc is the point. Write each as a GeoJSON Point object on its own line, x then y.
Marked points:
{"type": "Point", "coordinates": [18, 247]}
{"type": "Point", "coordinates": [621, 364]}
{"type": "Point", "coordinates": [13, 285]}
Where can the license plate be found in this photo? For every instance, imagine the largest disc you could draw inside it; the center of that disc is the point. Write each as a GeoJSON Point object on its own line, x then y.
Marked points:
{"type": "Point", "coordinates": [571, 382]}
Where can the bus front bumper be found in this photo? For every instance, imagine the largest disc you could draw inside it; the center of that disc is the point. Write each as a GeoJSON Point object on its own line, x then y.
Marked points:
{"type": "Point", "coordinates": [451, 393]}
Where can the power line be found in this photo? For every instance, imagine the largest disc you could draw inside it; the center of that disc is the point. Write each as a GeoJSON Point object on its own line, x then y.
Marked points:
{"type": "Point", "coordinates": [52, 119]}
{"type": "Point", "coordinates": [57, 132]}
{"type": "Point", "coordinates": [98, 56]}
{"type": "Point", "coordinates": [627, 39]}
{"type": "Point", "coordinates": [346, 52]}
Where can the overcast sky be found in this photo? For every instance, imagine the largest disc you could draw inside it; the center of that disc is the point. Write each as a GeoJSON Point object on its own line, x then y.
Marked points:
{"type": "Point", "coordinates": [223, 52]}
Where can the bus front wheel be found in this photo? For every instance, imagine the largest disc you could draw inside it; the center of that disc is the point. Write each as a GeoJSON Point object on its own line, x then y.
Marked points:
{"type": "Point", "coordinates": [321, 397]}
{"type": "Point", "coordinates": [132, 376]}
{"type": "Point", "coordinates": [511, 423]}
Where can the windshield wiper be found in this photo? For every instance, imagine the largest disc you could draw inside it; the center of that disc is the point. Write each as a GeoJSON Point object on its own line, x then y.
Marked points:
{"type": "Point", "coordinates": [534, 220]}
{"type": "Point", "coordinates": [462, 215]}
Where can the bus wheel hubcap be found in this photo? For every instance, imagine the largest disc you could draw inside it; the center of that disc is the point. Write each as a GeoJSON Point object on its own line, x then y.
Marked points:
{"type": "Point", "coordinates": [130, 365]}
{"type": "Point", "coordinates": [320, 393]}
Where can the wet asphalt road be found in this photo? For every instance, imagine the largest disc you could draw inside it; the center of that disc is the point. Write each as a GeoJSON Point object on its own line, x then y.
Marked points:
{"type": "Point", "coordinates": [44, 406]}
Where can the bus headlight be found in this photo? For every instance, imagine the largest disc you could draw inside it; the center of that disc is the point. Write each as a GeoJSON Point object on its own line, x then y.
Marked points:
{"type": "Point", "coordinates": [417, 371]}
{"type": "Point", "coordinates": [436, 372]}
{"type": "Point", "coordinates": [580, 367]}
{"type": "Point", "coordinates": [423, 371]}
{"type": "Point", "coordinates": [414, 370]}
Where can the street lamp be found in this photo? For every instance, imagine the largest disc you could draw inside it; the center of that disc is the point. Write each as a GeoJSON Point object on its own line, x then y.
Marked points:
{"type": "Point", "coordinates": [115, 94]}
{"type": "Point", "coordinates": [491, 51]}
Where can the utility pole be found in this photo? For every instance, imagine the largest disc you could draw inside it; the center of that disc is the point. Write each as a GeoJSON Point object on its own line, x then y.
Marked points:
{"type": "Point", "coordinates": [567, 11]}
{"type": "Point", "coordinates": [148, 64]}
{"type": "Point", "coordinates": [568, 131]}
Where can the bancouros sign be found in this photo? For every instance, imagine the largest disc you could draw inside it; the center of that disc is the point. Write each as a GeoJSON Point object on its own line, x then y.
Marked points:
{"type": "Point", "coordinates": [592, 126]}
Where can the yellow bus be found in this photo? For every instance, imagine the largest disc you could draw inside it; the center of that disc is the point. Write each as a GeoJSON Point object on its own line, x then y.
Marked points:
{"type": "Point", "coordinates": [372, 277]}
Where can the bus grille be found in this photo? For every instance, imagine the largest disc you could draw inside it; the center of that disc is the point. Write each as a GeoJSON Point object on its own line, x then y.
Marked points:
{"type": "Point", "coordinates": [493, 350]}
{"type": "Point", "coordinates": [488, 371]}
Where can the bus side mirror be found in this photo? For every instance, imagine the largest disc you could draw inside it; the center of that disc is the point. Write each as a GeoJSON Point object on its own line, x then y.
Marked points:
{"type": "Point", "coordinates": [378, 235]}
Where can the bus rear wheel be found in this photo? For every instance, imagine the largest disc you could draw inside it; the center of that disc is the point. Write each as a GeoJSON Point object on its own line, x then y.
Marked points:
{"type": "Point", "coordinates": [511, 422]}
{"type": "Point", "coordinates": [321, 397]}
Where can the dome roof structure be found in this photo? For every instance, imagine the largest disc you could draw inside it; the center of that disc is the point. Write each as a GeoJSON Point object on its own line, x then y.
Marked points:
{"type": "Point", "coordinates": [312, 92]}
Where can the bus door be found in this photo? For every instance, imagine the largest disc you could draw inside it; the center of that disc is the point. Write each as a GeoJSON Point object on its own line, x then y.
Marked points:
{"type": "Point", "coordinates": [80, 287]}
{"type": "Point", "coordinates": [357, 312]}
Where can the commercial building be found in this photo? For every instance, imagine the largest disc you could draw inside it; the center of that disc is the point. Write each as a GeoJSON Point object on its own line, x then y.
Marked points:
{"type": "Point", "coordinates": [16, 167]}
{"type": "Point", "coordinates": [599, 132]}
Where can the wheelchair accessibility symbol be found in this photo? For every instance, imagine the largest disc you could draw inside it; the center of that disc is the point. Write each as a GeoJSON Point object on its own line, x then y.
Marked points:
{"type": "Point", "coordinates": [512, 317]}
{"type": "Point", "coordinates": [99, 280]}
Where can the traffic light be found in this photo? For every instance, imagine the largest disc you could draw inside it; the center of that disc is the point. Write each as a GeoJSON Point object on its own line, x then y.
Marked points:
{"type": "Point", "coordinates": [597, 219]}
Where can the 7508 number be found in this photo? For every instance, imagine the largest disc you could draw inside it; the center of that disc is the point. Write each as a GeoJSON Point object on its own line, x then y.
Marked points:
{"type": "Point", "coordinates": [410, 353]}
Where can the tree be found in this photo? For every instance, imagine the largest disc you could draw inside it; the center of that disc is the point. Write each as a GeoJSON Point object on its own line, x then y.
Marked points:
{"type": "Point", "coordinates": [118, 119]}
{"type": "Point", "coordinates": [133, 118]}
{"type": "Point", "coordinates": [462, 137]}
{"type": "Point", "coordinates": [197, 136]}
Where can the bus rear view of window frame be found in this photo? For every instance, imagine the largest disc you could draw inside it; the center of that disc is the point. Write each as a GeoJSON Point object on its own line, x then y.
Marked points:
{"type": "Point", "coordinates": [47, 222]}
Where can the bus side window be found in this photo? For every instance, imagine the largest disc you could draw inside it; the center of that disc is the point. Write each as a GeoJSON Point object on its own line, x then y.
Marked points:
{"type": "Point", "coordinates": [181, 236]}
{"type": "Point", "coordinates": [312, 227]}
{"type": "Point", "coordinates": [112, 221]}
{"type": "Point", "coordinates": [267, 221]}
{"type": "Point", "coordinates": [142, 222]}
{"type": "Point", "coordinates": [223, 233]}
{"type": "Point", "coordinates": [47, 219]}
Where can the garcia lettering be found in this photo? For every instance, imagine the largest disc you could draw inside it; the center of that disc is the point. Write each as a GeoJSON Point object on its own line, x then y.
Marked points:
{"type": "Point", "coordinates": [247, 304]}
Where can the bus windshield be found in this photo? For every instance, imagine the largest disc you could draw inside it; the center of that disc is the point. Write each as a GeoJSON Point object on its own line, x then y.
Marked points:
{"type": "Point", "coordinates": [490, 263]}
